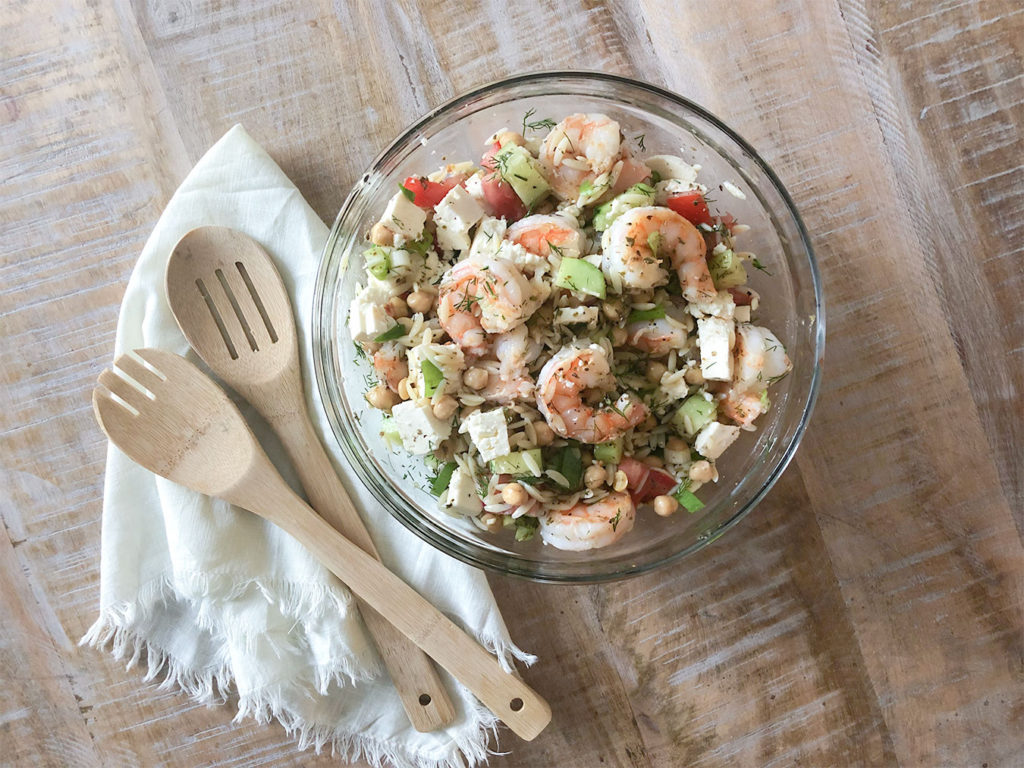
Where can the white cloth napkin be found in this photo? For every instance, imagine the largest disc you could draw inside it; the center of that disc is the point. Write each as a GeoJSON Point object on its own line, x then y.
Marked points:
{"type": "Point", "coordinates": [217, 600]}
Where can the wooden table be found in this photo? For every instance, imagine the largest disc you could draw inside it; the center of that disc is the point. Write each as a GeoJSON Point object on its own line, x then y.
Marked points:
{"type": "Point", "coordinates": [869, 612]}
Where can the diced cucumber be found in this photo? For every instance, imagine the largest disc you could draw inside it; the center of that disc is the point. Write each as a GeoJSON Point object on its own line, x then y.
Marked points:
{"type": "Point", "coordinates": [443, 478]}
{"type": "Point", "coordinates": [634, 197]}
{"type": "Point", "coordinates": [582, 276]}
{"type": "Point", "coordinates": [518, 169]}
{"type": "Point", "coordinates": [389, 431]}
{"type": "Point", "coordinates": [647, 315]}
{"type": "Point", "coordinates": [610, 453]}
{"type": "Point", "coordinates": [526, 527]}
{"type": "Point", "coordinates": [694, 414]}
{"type": "Point", "coordinates": [688, 499]}
{"type": "Point", "coordinates": [515, 464]}
{"type": "Point", "coordinates": [726, 269]}
{"type": "Point", "coordinates": [378, 261]}
{"type": "Point", "coordinates": [432, 377]}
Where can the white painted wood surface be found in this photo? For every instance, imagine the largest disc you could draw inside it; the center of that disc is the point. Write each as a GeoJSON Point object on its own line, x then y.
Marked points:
{"type": "Point", "coordinates": [868, 612]}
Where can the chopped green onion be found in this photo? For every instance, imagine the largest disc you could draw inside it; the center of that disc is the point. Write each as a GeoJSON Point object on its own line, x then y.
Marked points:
{"type": "Point", "coordinates": [688, 499]}
{"type": "Point", "coordinates": [432, 377]}
{"type": "Point", "coordinates": [396, 331]}
{"type": "Point", "coordinates": [440, 483]}
{"type": "Point", "coordinates": [647, 315]}
{"type": "Point", "coordinates": [378, 262]}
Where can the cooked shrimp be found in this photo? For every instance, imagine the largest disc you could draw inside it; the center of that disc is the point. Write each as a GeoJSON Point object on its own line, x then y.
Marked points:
{"type": "Point", "coordinates": [589, 526]}
{"type": "Point", "coordinates": [657, 337]}
{"type": "Point", "coordinates": [580, 148]}
{"type": "Point", "coordinates": [390, 364]}
{"type": "Point", "coordinates": [760, 360]}
{"type": "Point", "coordinates": [508, 377]}
{"type": "Point", "coordinates": [540, 234]}
{"type": "Point", "coordinates": [629, 252]}
{"type": "Point", "coordinates": [480, 297]}
{"type": "Point", "coordinates": [564, 381]}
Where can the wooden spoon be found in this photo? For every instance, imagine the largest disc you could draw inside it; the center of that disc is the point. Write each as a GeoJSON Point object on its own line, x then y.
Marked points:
{"type": "Point", "coordinates": [171, 418]}
{"type": "Point", "coordinates": [231, 304]}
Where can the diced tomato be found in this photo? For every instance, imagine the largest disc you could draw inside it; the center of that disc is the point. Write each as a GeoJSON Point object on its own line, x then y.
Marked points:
{"type": "Point", "coordinates": [636, 473]}
{"type": "Point", "coordinates": [500, 197]}
{"type": "Point", "coordinates": [658, 483]}
{"type": "Point", "coordinates": [743, 297]}
{"type": "Point", "coordinates": [427, 193]}
{"type": "Point", "coordinates": [691, 206]}
{"type": "Point", "coordinates": [633, 172]}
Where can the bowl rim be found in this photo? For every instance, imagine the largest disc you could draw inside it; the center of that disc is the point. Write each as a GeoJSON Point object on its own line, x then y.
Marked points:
{"type": "Point", "coordinates": [515, 566]}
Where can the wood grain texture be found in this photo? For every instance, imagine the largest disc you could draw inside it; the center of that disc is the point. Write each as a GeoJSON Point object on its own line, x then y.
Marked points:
{"type": "Point", "coordinates": [868, 612]}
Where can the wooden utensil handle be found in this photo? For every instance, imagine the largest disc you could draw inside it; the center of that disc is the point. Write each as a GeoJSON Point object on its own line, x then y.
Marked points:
{"type": "Point", "coordinates": [419, 687]}
{"type": "Point", "coordinates": [520, 707]}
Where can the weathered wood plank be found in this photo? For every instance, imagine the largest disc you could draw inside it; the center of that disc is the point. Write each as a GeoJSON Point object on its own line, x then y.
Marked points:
{"type": "Point", "coordinates": [868, 612]}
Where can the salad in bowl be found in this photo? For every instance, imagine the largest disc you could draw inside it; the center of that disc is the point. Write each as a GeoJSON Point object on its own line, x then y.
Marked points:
{"type": "Point", "coordinates": [561, 328]}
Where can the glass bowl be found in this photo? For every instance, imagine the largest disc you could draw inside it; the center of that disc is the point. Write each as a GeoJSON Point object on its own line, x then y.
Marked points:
{"type": "Point", "coordinates": [791, 306]}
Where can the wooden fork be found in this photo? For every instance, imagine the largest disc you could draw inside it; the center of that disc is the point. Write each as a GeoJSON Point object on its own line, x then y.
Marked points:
{"type": "Point", "coordinates": [171, 418]}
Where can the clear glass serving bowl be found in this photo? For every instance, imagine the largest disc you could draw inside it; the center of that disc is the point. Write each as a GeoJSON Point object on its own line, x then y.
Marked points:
{"type": "Point", "coordinates": [791, 306]}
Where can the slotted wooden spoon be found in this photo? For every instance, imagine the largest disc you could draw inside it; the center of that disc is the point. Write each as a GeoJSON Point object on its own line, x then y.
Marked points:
{"type": "Point", "coordinates": [231, 304]}
{"type": "Point", "coordinates": [171, 418]}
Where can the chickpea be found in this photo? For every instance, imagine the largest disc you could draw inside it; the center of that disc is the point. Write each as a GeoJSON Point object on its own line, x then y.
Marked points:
{"type": "Point", "coordinates": [544, 433]}
{"type": "Point", "coordinates": [420, 301]}
{"type": "Point", "coordinates": [611, 310]}
{"type": "Point", "coordinates": [509, 137]}
{"type": "Point", "coordinates": [702, 471]}
{"type": "Point", "coordinates": [493, 523]}
{"type": "Point", "coordinates": [619, 336]}
{"type": "Point", "coordinates": [665, 506]}
{"type": "Point", "coordinates": [654, 461]}
{"type": "Point", "coordinates": [403, 388]}
{"type": "Point", "coordinates": [621, 481]}
{"type": "Point", "coordinates": [381, 397]}
{"type": "Point", "coordinates": [475, 378]}
{"type": "Point", "coordinates": [381, 235]}
{"type": "Point", "coordinates": [445, 407]}
{"type": "Point", "coordinates": [676, 444]}
{"type": "Point", "coordinates": [398, 307]}
{"type": "Point", "coordinates": [655, 371]}
{"type": "Point", "coordinates": [594, 477]}
{"type": "Point", "coordinates": [514, 494]}
{"type": "Point", "coordinates": [693, 376]}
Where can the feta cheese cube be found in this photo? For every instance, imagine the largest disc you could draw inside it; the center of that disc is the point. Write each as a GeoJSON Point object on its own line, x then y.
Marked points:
{"type": "Point", "coordinates": [457, 212]}
{"type": "Point", "coordinates": [461, 497]}
{"type": "Point", "coordinates": [489, 433]}
{"type": "Point", "coordinates": [671, 167]}
{"type": "Point", "coordinates": [723, 305]}
{"type": "Point", "coordinates": [716, 336]}
{"type": "Point", "coordinates": [404, 217]}
{"type": "Point", "coordinates": [377, 291]}
{"type": "Point", "coordinates": [420, 430]}
{"type": "Point", "coordinates": [488, 238]}
{"type": "Point", "coordinates": [475, 187]}
{"type": "Point", "coordinates": [367, 321]}
{"type": "Point", "coordinates": [712, 441]}
{"type": "Point", "coordinates": [742, 314]}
